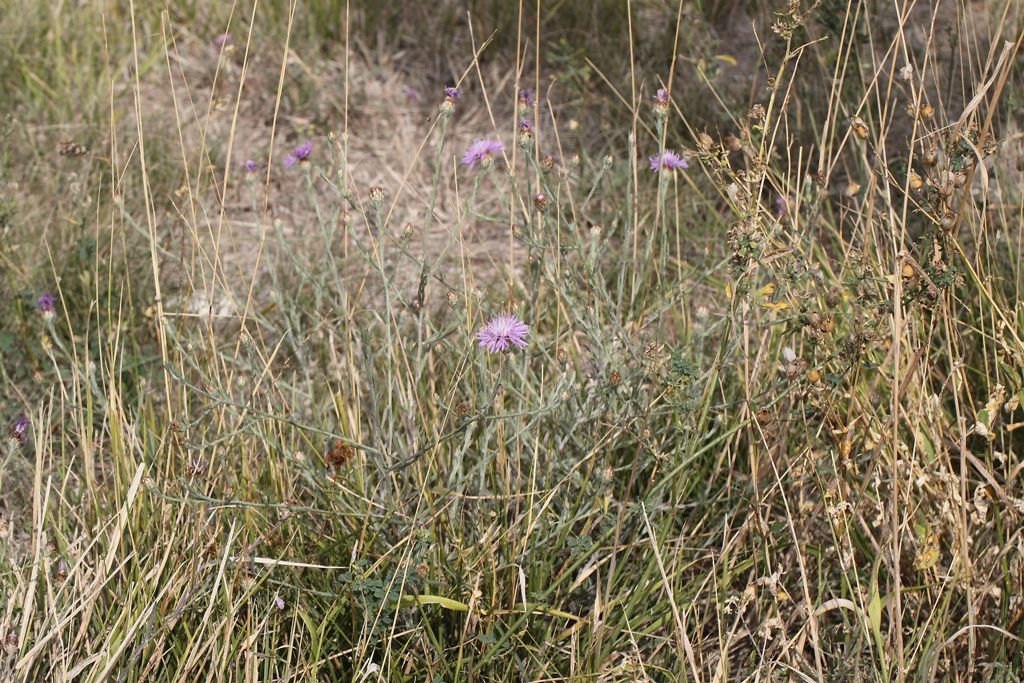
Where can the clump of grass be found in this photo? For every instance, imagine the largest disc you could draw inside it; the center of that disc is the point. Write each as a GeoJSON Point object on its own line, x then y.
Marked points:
{"type": "Point", "coordinates": [729, 397]}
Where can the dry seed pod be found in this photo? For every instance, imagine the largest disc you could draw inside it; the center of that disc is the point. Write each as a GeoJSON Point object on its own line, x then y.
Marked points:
{"type": "Point", "coordinates": [860, 129]}
{"type": "Point", "coordinates": [916, 183]}
{"type": "Point", "coordinates": [814, 376]}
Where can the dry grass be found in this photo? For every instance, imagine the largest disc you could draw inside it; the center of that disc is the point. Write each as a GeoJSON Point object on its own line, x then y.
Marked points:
{"type": "Point", "coordinates": [767, 425]}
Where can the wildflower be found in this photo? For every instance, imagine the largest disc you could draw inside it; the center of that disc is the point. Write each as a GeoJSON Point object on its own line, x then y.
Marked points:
{"type": "Point", "coordinates": [661, 103]}
{"type": "Point", "coordinates": [251, 166]}
{"type": "Point", "coordinates": [526, 100]}
{"type": "Point", "coordinates": [279, 603]}
{"type": "Point", "coordinates": [47, 305]}
{"type": "Point", "coordinates": [525, 132]}
{"type": "Point", "coordinates": [223, 40]}
{"type": "Point", "coordinates": [781, 206]}
{"type": "Point", "coordinates": [20, 430]}
{"type": "Point", "coordinates": [411, 93]}
{"type": "Point", "coordinates": [482, 152]}
{"type": "Point", "coordinates": [447, 107]}
{"type": "Point", "coordinates": [540, 201]}
{"type": "Point", "coordinates": [300, 154]}
{"type": "Point", "coordinates": [667, 161]}
{"type": "Point", "coordinates": [377, 195]}
{"type": "Point", "coordinates": [500, 333]}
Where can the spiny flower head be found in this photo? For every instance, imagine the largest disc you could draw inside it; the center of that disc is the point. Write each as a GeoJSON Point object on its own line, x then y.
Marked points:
{"type": "Point", "coordinates": [667, 161]}
{"type": "Point", "coordinates": [503, 332]}
{"type": "Point", "coordinates": [299, 154]}
{"type": "Point", "coordinates": [525, 132]}
{"type": "Point", "coordinates": [526, 99]}
{"type": "Point", "coordinates": [482, 152]}
{"type": "Point", "coordinates": [661, 102]}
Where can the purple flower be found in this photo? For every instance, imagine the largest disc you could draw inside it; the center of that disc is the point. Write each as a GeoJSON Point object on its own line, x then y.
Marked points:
{"type": "Point", "coordinates": [781, 206]}
{"type": "Point", "coordinates": [251, 166]}
{"type": "Point", "coordinates": [279, 602]}
{"type": "Point", "coordinates": [667, 161]}
{"type": "Point", "coordinates": [20, 430]}
{"type": "Point", "coordinates": [500, 333]}
{"type": "Point", "coordinates": [299, 154]}
{"type": "Point", "coordinates": [47, 304]}
{"type": "Point", "coordinates": [452, 93]}
{"type": "Point", "coordinates": [411, 93]}
{"type": "Point", "coordinates": [526, 98]}
{"type": "Point", "coordinates": [222, 41]}
{"type": "Point", "coordinates": [482, 152]}
{"type": "Point", "coordinates": [661, 97]}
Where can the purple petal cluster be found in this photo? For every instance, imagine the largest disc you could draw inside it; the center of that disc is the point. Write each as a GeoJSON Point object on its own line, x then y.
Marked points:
{"type": "Point", "coordinates": [667, 161]}
{"type": "Point", "coordinates": [46, 303]}
{"type": "Point", "coordinates": [251, 166]}
{"type": "Point", "coordinates": [20, 429]}
{"type": "Point", "coordinates": [481, 152]}
{"type": "Point", "coordinates": [299, 154]}
{"type": "Point", "coordinates": [661, 97]}
{"type": "Point", "coordinates": [502, 333]}
{"type": "Point", "coordinates": [452, 93]}
{"type": "Point", "coordinates": [526, 98]}
{"type": "Point", "coordinates": [223, 40]}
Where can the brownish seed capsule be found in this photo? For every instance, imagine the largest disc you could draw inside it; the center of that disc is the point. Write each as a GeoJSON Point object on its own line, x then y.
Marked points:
{"type": "Point", "coordinates": [733, 143]}
{"type": "Point", "coordinates": [926, 112]}
{"type": "Point", "coordinates": [833, 297]}
{"type": "Point", "coordinates": [814, 319]}
{"type": "Point", "coordinates": [814, 376]}
{"type": "Point", "coordinates": [860, 129]}
{"type": "Point", "coordinates": [540, 201]}
{"type": "Point", "coordinates": [615, 378]}
{"type": "Point", "coordinates": [916, 183]}
{"type": "Point", "coordinates": [907, 271]}
{"type": "Point", "coordinates": [828, 325]}
{"type": "Point", "coordinates": [948, 221]}
{"type": "Point", "coordinates": [705, 142]}
{"type": "Point", "coordinates": [930, 156]}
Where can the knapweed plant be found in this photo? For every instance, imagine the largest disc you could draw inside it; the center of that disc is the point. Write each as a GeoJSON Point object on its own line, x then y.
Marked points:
{"type": "Point", "coordinates": [603, 341]}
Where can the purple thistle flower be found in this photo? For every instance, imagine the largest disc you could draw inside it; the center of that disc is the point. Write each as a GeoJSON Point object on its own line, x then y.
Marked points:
{"type": "Point", "coordinates": [299, 154]}
{"type": "Point", "coordinates": [482, 152]}
{"type": "Point", "coordinates": [223, 40]}
{"type": "Point", "coordinates": [251, 166]}
{"type": "Point", "coordinates": [47, 304]}
{"type": "Point", "coordinates": [452, 93]}
{"type": "Point", "coordinates": [411, 93]}
{"type": "Point", "coordinates": [502, 332]}
{"type": "Point", "coordinates": [526, 98]}
{"type": "Point", "coordinates": [20, 430]}
{"type": "Point", "coordinates": [667, 161]}
{"type": "Point", "coordinates": [661, 97]}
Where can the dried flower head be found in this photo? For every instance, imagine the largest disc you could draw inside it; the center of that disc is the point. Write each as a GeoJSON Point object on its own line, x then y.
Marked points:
{"type": "Point", "coordinates": [667, 161]}
{"type": "Point", "coordinates": [300, 154]}
{"type": "Point", "coordinates": [540, 201]}
{"type": "Point", "coordinates": [338, 454]}
{"type": "Point", "coordinates": [502, 332]}
{"type": "Point", "coordinates": [482, 152]}
{"type": "Point", "coordinates": [376, 195]}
